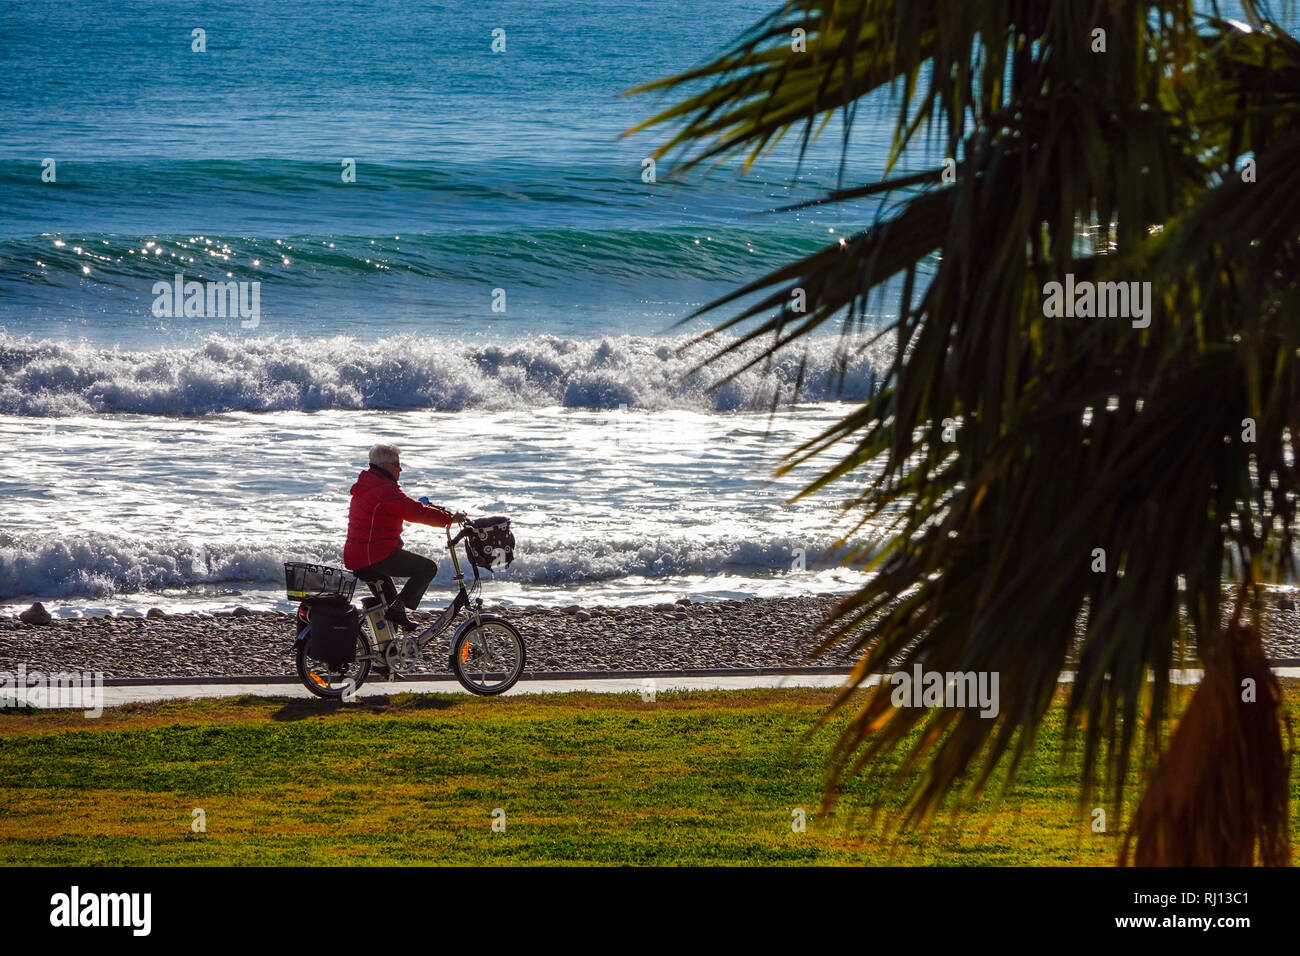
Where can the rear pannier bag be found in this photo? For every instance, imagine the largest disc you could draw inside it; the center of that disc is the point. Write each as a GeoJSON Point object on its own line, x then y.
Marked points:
{"type": "Point", "coordinates": [490, 543]}
{"type": "Point", "coordinates": [334, 629]}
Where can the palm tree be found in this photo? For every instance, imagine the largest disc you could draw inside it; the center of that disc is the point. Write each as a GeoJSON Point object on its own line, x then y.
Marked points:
{"type": "Point", "coordinates": [1116, 492]}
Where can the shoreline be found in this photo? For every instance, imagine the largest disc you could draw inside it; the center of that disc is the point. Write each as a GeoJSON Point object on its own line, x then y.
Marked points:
{"type": "Point", "coordinates": [749, 633]}
{"type": "Point", "coordinates": [681, 637]}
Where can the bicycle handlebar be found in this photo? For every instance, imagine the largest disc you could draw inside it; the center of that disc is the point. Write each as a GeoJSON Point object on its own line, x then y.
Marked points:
{"type": "Point", "coordinates": [424, 500]}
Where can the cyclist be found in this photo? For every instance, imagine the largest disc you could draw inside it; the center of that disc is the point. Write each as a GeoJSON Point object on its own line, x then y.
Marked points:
{"type": "Point", "coordinates": [374, 546]}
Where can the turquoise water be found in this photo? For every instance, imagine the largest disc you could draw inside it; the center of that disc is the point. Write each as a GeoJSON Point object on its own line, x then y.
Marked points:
{"type": "Point", "coordinates": [474, 170]}
{"type": "Point", "coordinates": [498, 291]}
{"type": "Point", "coordinates": [177, 459]}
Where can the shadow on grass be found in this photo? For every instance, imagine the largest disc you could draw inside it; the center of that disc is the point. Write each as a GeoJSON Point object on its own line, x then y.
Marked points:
{"type": "Point", "coordinates": [401, 703]}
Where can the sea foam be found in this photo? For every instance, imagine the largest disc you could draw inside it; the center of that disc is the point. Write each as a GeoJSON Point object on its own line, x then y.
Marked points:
{"type": "Point", "coordinates": [47, 378]}
{"type": "Point", "coordinates": [101, 566]}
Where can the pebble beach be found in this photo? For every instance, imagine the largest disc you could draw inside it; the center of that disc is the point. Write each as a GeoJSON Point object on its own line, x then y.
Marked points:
{"type": "Point", "coordinates": [738, 634]}
{"type": "Point", "coordinates": [677, 637]}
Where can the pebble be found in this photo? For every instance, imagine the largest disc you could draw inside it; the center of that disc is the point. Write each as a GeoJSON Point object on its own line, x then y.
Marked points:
{"type": "Point", "coordinates": [36, 614]}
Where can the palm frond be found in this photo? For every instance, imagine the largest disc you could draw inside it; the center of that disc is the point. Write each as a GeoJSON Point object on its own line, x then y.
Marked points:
{"type": "Point", "coordinates": [1077, 436]}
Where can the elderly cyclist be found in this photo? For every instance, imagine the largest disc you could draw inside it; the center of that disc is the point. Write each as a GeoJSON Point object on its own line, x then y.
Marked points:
{"type": "Point", "coordinates": [374, 545]}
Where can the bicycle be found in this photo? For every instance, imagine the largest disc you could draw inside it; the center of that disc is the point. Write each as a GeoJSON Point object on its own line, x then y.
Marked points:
{"type": "Point", "coordinates": [487, 653]}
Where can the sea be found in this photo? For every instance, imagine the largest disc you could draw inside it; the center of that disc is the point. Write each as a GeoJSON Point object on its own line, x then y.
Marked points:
{"type": "Point", "coordinates": [441, 237]}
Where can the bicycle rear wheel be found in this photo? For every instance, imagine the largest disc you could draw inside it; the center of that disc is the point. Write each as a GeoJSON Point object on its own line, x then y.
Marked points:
{"type": "Point", "coordinates": [488, 657]}
{"type": "Point", "coordinates": [330, 682]}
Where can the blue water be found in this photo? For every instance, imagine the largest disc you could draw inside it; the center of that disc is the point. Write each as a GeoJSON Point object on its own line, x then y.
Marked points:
{"type": "Point", "coordinates": [177, 460]}
{"type": "Point", "coordinates": [475, 170]}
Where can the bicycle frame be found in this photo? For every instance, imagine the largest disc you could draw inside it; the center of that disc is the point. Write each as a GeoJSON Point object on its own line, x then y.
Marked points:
{"type": "Point", "coordinates": [462, 600]}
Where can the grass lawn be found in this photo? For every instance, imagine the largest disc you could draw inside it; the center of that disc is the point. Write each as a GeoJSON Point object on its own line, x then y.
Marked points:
{"type": "Point", "coordinates": [692, 778]}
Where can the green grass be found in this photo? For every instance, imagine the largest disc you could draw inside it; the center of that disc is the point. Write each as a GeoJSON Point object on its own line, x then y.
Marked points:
{"type": "Point", "coordinates": [693, 778]}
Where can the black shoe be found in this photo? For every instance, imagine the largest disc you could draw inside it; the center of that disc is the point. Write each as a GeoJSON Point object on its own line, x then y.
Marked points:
{"type": "Point", "coordinates": [402, 621]}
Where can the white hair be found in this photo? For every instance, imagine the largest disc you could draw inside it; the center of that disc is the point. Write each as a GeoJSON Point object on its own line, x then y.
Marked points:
{"type": "Point", "coordinates": [384, 454]}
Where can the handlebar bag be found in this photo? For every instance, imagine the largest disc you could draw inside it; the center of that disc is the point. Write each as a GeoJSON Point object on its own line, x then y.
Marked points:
{"type": "Point", "coordinates": [334, 630]}
{"type": "Point", "coordinates": [490, 543]}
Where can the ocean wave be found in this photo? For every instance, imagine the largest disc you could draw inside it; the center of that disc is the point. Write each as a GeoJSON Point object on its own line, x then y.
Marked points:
{"type": "Point", "coordinates": [113, 264]}
{"type": "Point", "coordinates": [51, 379]}
{"type": "Point", "coordinates": [101, 566]}
{"type": "Point", "coordinates": [545, 180]}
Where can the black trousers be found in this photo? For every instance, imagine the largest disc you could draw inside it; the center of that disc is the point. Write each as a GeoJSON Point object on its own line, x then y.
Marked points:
{"type": "Point", "coordinates": [417, 569]}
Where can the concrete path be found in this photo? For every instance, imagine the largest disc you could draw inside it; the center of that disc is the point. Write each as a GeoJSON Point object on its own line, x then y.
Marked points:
{"type": "Point", "coordinates": [119, 694]}
{"type": "Point", "coordinates": [116, 696]}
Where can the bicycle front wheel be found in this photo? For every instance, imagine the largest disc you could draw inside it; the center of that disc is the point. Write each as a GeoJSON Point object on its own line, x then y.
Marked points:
{"type": "Point", "coordinates": [488, 657]}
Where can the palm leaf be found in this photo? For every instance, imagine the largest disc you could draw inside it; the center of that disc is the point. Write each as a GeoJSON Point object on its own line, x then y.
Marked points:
{"type": "Point", "coordinates": [1076, 434]}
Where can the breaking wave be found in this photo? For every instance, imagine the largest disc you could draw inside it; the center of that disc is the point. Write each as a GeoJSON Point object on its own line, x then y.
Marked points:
{"type": "Point", "coordinates": [49, 379]}
{"type": "Point", "coordinates": [100, 566]}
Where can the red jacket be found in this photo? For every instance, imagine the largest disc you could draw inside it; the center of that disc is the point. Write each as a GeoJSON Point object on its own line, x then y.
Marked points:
{"type": "Point", "coordinates": [375, 518]}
